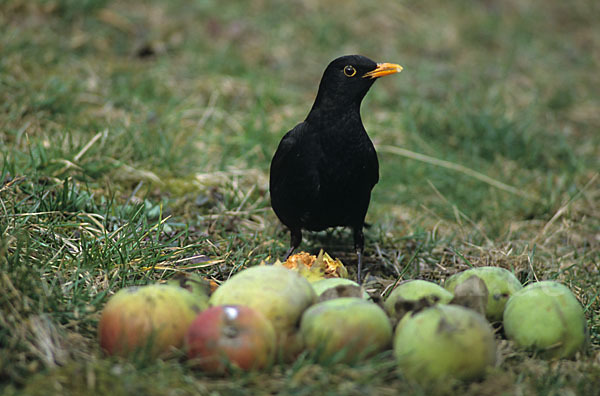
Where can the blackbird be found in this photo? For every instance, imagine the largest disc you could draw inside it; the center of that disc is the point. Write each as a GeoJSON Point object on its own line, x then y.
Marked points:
{"type": "Point", "coordinates": [324, 168]}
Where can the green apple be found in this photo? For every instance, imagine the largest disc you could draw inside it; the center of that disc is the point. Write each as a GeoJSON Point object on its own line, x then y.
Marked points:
{"type": "Point", "coordinates": [500, 284]}
{"type": "Point", "coordinates": [345, 329]}
{"type": "Point", "coordinates": [152, 319]}
{"type": "Point", "coordinates": [546, 317]}
{"type": "Point", "coordinates": [414, 294]}
{"type": "Point", "coordinates": [442, 342]}
{"type": "Point", "coordinates": [280, 294]}
{"type": "Point", "coordinates": [323, 288]}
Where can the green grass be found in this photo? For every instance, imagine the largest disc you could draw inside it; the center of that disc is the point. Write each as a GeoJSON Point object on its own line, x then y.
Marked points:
{"type": "Point", "coordinates": [137, 136]}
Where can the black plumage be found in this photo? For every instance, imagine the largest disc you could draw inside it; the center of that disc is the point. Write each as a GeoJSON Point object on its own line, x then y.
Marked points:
{"type": "Point", "coordinates": [324, 169]}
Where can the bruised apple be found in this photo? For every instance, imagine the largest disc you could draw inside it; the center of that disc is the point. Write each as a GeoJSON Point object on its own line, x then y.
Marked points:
{"type": "Point", "coordinates": [280, 294]}
{"type": "Point", "coordinates": [442, 342]}
{"type": "Point", "coordinates": [349, 288]}
{"type": "Point", "coordinates": [151, 319]}
{"type": "Point", "coordinates": [345, 329]}
{"type": "Point", "coordinates": [499, 282]}
{"type": "Point", "coordinates": [415, 294]}
{"type": "Point", "coordinates": [233, 335]}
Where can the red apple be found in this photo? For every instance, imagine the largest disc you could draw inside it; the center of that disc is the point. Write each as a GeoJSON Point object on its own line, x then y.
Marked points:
{"type": "Point", "coordinates": [233, 335]}
{"type": "Point", "coordinates": [152, 319]}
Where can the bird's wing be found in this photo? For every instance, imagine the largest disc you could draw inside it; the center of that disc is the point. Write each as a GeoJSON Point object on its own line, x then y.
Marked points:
{"type": "Point", "coordinates": [288, 146]}
{"type": "Point", "coordinates": [374, 167]}
{"type": "Point", "coordinates": [294, 177]}
{"type": "Point", "coordinates": [292, 160]}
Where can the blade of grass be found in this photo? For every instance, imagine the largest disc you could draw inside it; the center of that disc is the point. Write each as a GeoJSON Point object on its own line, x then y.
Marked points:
{"type": "Point", "coordinates": [455, 167]}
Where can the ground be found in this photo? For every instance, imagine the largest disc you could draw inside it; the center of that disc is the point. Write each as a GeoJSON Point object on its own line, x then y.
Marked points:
{"type": "Point", "coordinates": [136, 139]}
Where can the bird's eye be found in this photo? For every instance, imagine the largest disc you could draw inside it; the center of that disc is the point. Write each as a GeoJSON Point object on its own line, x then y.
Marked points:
{"type": "Point", "coordinates": [349, 71]}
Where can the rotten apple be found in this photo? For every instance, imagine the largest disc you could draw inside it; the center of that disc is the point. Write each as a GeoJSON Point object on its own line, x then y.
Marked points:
{"type": "Point", "coordinates": [342, 288]}
{"type": "Point", "coordinates": [499, 282]}
{"type": "Point", "coordinates": [414, 294]}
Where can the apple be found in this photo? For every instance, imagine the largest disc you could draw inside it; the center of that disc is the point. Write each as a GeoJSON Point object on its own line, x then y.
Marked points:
{"type": "Point", "coordinates": [546, 317]}
{"type": "Point", "coordinates": [345, 329]}
{"type": "Point", "coordinates": [414, 294]}
{"type": "Point", "coordinates": [233, 335]}
{"type": "Point", "coordinates": [500, 284]}
{"type": "Point", "coordinates": [280, 294]}
{"type": "Point", "coordinates": [149, 319]}
{"type": "Point", "coordinates": [442, 342]}
{"type": "Point", "coordinates": [324, 287]}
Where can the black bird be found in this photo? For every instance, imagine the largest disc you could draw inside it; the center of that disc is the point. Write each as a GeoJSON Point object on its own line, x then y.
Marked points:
{"type": "Point", "coordinates": [324, 169]}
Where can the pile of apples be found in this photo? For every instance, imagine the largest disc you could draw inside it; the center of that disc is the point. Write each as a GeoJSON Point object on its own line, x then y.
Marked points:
{"type": "Point", "coordinates": [265, 314]}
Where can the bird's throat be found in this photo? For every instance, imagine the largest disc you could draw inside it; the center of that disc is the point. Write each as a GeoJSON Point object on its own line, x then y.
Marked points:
{"type": "Point", "coordinates": [328, 114]}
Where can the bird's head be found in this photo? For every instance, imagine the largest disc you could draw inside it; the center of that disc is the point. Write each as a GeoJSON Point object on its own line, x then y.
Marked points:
{"type": "Point", "coordinates": [347, 80]}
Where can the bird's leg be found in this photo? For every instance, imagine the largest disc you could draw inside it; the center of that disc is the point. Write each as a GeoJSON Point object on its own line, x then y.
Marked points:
{"type": "Point", "coordinates": [359, 244]}
{"type": "Point", "coordinates": [358, 277]}
{"type": "Point", "coordinates": [295, 240]}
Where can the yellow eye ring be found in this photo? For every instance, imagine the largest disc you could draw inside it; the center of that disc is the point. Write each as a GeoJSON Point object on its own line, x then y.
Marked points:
{"type": "Point", "coordinates": [349, 71]}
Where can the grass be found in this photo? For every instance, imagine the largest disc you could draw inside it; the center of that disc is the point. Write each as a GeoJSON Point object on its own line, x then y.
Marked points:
{"type": "Point", "coordinates": [136, 139]}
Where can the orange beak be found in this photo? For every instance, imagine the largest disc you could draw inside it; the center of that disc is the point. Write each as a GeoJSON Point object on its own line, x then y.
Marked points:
{"type": "Point", "coordinates": [383, 69]}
